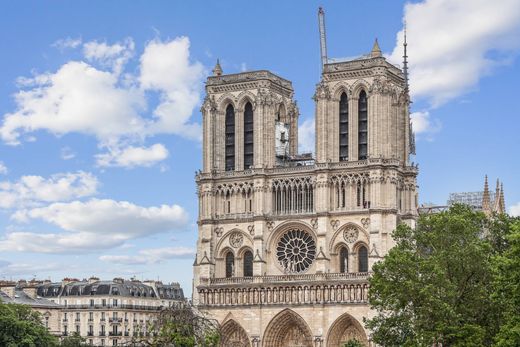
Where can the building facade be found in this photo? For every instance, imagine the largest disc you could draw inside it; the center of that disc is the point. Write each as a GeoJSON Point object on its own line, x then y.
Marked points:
{"type": "Point", "coordinates": [25, 293]}
{"type": "Point", "coordinates": [105, 313]}
{"type": "Point", "coordinates": [287, 242]}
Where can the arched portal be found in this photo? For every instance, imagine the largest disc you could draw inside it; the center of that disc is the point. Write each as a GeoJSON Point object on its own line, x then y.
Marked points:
{"type": "Point", "coordinates": [344, 329]}
{"type": "Point", "coordinates": [233, 335]}
{"type": "Point", "coordinates": [287, 329]}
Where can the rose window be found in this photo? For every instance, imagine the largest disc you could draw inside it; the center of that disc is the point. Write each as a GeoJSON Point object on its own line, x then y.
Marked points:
{"type": "Point", "coordinates": [296, 251]}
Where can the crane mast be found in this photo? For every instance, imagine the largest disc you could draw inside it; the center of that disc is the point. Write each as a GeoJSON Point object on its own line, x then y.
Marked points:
{"type": "Point", "coordinates": [323, 41]}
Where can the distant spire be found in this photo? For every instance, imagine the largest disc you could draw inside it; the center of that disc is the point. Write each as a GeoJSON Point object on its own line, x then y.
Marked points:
{"type": "Point", "coordinates": [496, 205]}
{"type": "Point", "coordinates": [217, 70]}
{"type": "Point", "coordinates": [405, 61]}
{"type": "Point", "coordinates": [486, 203]}
{"type": "Point", "coordinates": [376, 51]}
{"type": "Point", "coordinates": [502, 199]}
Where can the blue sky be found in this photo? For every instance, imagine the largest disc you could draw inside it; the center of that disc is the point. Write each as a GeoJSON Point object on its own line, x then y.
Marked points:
{"type": "Point", "coordinates": [100, 121]}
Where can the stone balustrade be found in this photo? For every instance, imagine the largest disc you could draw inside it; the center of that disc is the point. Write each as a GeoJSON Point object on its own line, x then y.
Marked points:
{"type": "Point", "coordinates": [324, 288]}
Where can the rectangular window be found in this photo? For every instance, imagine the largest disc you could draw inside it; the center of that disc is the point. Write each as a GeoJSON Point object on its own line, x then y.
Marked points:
{"type": "Point", "coordinates": [104, 302]}
{"type": "Point", "coordinates": [114, 302]}
{"type": "Point", "coordinates": [91, 302]}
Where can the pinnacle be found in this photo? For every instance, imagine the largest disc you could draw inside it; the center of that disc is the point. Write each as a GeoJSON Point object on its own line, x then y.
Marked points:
{"type": "Point", "coordinates": [376, 51]}
{"type": "Point", "coordinates": [217, 70]}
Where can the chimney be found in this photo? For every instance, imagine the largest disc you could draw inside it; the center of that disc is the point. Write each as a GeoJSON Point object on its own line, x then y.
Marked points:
{"type": "Point", "coordinates": [30, 291]}
{"type": "Point", "coordinates": [8, 288]}
{"type": "Point", "coordinates": [93, 279]}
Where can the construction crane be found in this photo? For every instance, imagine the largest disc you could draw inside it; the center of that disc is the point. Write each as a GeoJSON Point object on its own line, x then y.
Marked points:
{"type": "Point", "coordinates": [323, 41]}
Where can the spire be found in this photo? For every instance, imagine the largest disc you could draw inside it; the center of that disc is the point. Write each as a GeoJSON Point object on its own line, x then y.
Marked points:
{"type": "Point", "coordinates": [486, 203]}
{"type": "Point", "coordinates": [496, 204]}
{"type": "Point", "coordinates": [376, 51]}
{"type": "Point", "coordinates": [217, 70]}
{"type": "Point", "coordinates": [405, 61]}
{"type": "Point", "coordinates": [502, 200]}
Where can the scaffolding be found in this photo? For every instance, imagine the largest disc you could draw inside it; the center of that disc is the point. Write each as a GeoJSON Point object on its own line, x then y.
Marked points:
{"type": "Point", "coordinates": [473, 199]}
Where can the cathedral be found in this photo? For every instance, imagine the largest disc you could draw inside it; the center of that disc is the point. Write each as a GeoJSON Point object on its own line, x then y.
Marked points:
{"type": "Point", "coordinates": [286, 241]}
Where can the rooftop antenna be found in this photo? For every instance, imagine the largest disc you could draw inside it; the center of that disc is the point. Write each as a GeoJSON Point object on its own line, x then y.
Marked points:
{"type": "Point", "coordinates": [323, 40]}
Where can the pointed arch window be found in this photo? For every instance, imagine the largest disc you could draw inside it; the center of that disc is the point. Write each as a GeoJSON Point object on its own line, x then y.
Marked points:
{"type": "Point", "coordinates": [230, 138]}
{"type": "Point", "coordinates": [343, 127]}
{"type": "Point", "coordinates": [248, 263]}
{"type": "Point", "coordinates": [248, 136]}
{"type": "Point", "coordinates": [362, 126]}
{"type": "Point", "coordinates": [230, 265]}
{"type": "Point", "coordinates": [362, 259]}
{"type": "Point", "coordinates": [343, 260]}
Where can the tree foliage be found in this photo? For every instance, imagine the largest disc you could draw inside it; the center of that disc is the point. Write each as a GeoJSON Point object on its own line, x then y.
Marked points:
{"type": "Point", "coordinates": [75, 340]}
{"type": "Point", "coordinates": [353, 343]}
{"type": "Point", "coordinates": [507, 290]}
{"type": "Point", "coordinates": [436, 285]}
{"type": "Point", "coordinates": [180, 327]}
{"type": "Point", "coordinates": [22, 327]}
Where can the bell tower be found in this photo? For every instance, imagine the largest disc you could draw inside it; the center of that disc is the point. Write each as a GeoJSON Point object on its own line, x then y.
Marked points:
{"type": "Point", "coordinates": [249, 121]}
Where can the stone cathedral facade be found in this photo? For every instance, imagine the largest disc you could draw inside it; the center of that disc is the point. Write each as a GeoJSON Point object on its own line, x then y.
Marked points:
{"type": "Point", "coordinates": [286, 241]}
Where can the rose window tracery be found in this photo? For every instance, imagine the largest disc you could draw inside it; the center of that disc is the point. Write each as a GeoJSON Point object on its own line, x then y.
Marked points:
{"type": "Point", "coordinates": [296, 251]}
{"type": "Point", "coordinates": [350, 234]}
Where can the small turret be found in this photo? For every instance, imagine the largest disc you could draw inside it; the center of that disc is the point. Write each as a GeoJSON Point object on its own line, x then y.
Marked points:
{"type": "Point", "coordinates": [376, 51]}
{"type": "Point", "coordinates": [217, 70]}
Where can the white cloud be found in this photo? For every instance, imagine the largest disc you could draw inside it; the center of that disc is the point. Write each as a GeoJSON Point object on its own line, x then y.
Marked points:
{"type": "Point", "coordinates": [95, 98]}
{"type": "Point", "coordinates": [78, 98]}
{"type": "Point", "coordinates": [30, 190]}
{"type": "Point", "coordinates": [58, 242]}
{"type": "Point", "coordinates": [3, 168]}
{"type": "Point", "coordinates": [92, 225]}
{"type": "Point", "coordinates": [166, 68]}
{"type": "Point", "coordinates": [69, 42]}
{"type": "Point", "coordinates": [67, 153]}
{"type": "Point", "coordinates": [26, 269]}
{"type": "Point", "coordinates": [105, 216]}
{"type": "Point", "coordinates": [514, 210]}
{"type": "Point", "coordinates": [132, 156]}
{"type": "Point", "coordinates": [423, 124]}
{"type": "Point", "coordinates": [114, 56]}
{"type": "Point", "coordinates": [454, 43]}
{"type": "Point", "coordinates": [306, 134]}
{"type": "Point", "coordinates": [150, 256]}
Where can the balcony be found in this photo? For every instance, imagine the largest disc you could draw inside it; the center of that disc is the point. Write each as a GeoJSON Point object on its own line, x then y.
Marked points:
{"type": "Point", "coordinates": [102, 333]}
{"type": "Point", "coordinates": [325, 277]}
{"type": "Point", "coordinates": [115, 333]}
{"type": "Point", "coordinates": [115, 320]}
{"type": "Point", "coordinates": [299, 289]}
{"type": "Point", "coordinates": [90, 333]}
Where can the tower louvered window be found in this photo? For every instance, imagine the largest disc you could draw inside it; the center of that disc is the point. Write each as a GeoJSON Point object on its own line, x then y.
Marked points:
{"type": "Point", "coordinates": [362, 126]}
{"type": "Point", "coordinates": [362, 259]}
{"type": "Point", "coordinates": [343, 127]}
{"type": "Point", "coordinates": [248, 136]}
{"type": "Point", "coordinates": [230, 138]}
{"type": "Point", "coordinates": [230, 265]}
{"type": "Point", "coordinates": [248, 264]}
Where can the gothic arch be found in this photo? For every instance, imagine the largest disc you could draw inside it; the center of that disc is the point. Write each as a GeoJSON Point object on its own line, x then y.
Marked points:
{"type": "Point", "coordinates": [247, 241]}
{"type": "Point", "coordinates": [344, 329]}
{"type": "Point", "coordinates": [287, 329]}
{"type": "Point", "coordinates": [337, 236]}
{"type": "Point", "coordinates": [358, 86]}
{"type": "Point", "coordinates": [233, 335]}
{"type": "Point", "coordinates": [245, 97]}
{"type": "Point", "coordinates": [283, 227]}
{"type": "Point", "coordinates": [225, 100]}
{"type": "Point", "coordinates": [339, 88]}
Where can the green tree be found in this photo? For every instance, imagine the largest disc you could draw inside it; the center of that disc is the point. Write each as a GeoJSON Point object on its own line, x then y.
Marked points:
{"type": "Point", "coordinates": [353, 343]}
{"type": "Point", "coordinates": [179, 327]}
{"type": "Point", "coordinates": [22, 327]}
{"type": "Point", "coordinates": [436, 284]}
{"type": "Point", "coordinates": [75, 340]}
{"type": "Point", "coordinates": [507, 289]}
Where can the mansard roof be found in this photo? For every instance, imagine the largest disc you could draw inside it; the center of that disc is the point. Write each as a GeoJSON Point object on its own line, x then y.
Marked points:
{"type": "Point", "coordinates": [116, 287]}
